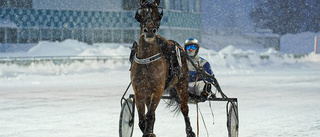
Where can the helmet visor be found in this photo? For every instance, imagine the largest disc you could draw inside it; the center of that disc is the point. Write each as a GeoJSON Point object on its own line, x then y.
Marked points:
{"type": "Point", "coordinates": [191, 47]}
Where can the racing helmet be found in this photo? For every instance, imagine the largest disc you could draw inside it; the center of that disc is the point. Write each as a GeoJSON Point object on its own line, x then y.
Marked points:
{"type": "Point", "coordinates": [189, 43]}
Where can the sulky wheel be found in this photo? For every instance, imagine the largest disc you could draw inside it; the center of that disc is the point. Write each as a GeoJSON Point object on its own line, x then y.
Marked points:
{"type": "Point", "coordinates": [126, 122]}
{"type": "Point", "coordinates": [232, 119]}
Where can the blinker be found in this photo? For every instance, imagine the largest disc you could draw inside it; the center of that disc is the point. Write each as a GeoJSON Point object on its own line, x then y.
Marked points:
{"type": "Point", "coordinates": [138, 16]}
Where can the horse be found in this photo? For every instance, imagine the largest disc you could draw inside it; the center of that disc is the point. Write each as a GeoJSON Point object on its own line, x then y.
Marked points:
{"type": "Point", "coordinates": [154, 70]}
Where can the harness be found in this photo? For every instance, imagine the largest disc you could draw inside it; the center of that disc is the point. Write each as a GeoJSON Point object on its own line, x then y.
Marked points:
{"type": "Point", "coordinates": [172, 56]}
{"type": "Point", "coordinates": [147, 60]}
{"type": "Point", "coordinates": [161, 41]}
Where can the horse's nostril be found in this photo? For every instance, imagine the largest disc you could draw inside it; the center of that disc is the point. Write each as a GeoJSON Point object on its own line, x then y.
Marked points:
{"type": "Point", "coordinates": [145, 30]}
{"type": "Point", "coordinates": [154, 30]}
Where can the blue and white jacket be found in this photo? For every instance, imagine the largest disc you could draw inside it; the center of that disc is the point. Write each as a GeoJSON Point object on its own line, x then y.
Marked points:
{"type": "Point", "coordinates": [201, 62]}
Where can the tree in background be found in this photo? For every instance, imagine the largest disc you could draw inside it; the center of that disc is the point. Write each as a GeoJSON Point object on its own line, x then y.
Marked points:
{"type": "Point", "coordinates": [312, 16]}
{"type": "Point", "coordinates": [287, 16]}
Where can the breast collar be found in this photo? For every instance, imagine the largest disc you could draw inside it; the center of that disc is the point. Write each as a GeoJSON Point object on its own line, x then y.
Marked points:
{"type": "Point", "coordinates": [161, 42]}
{"type": "Point", "coordinates": [147, 60]}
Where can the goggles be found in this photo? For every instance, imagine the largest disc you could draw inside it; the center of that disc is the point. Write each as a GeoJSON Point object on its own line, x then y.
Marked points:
{"type": "Point", "coordinates": [193, 47]}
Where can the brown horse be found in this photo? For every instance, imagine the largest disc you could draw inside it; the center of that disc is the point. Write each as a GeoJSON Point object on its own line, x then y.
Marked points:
{"type": "Point", "coordinates": [151, 68]}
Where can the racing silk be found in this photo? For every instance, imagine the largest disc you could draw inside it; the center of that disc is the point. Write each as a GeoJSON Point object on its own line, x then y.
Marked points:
{"type": "Point", "coordinates": [201, 62]}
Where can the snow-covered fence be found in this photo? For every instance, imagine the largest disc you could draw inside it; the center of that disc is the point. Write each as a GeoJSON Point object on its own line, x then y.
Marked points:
{"type": "Point", "coordinates": [214, 57]}
{"type": "Point", "coordinates": [220, 62]}
{"type": "Point", "coordinates": [26, 61]}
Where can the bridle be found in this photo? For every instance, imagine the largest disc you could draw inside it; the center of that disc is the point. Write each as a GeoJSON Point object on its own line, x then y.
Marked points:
{"type": "Point", "coordinates": [144, 20]}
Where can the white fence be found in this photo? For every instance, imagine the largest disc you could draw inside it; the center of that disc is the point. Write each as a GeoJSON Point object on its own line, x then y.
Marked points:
{"type": "Point", "coordinates": [25, 61]}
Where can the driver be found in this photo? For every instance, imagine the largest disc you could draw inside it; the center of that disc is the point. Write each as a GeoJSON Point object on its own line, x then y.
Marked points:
{"type": "Point", "coordinates": [197, 87]}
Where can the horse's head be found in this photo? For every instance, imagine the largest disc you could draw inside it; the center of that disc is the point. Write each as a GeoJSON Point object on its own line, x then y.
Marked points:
{"type": "Point", "coordinates": [149, 16]}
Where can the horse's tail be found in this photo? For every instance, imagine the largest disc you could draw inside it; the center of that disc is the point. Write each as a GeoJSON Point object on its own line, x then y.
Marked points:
{"type": "Point", "coordinates": [174, 100]}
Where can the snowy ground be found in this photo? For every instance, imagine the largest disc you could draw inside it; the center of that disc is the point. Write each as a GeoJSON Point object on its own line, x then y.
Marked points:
{"type": "Point", "coordinates": [271, 103]}
{"type": "Point", "coordinates": [277, 97]}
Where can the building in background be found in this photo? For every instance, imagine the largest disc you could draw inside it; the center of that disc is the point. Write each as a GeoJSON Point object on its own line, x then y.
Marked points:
{"type": "Point", "coordinates": [23, 23]}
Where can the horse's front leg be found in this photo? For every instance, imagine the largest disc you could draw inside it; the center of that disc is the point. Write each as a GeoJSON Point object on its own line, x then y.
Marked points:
{"type": "Point", "coordinates": [150, 119]}
{"type": "Point", "coordinates": [141, 112]}
{"type": "Point", "coordinates": [152, 105]}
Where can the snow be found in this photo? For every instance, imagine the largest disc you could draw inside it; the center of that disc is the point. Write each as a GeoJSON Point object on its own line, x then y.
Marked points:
{"type": "Point", "coordinates": [72, 48]}
{"type": "Point", "coordinates": [301, 43]}
{"type": "Point", "coordinates": [298, 43]}
{"type": "Point", "coordinates": [278, 93]}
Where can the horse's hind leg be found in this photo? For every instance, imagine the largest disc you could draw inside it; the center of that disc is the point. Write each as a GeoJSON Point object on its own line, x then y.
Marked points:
{"type": "Point", "coordinates": [185, 111]}
{"type": "Point", "coordinates": [183, 95]}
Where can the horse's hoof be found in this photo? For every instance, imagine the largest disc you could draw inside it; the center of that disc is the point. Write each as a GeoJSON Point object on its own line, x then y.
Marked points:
{"type": "Point", "coordinates": [191, 134]}
{"type": "Point", "coordinates": [149, 135]}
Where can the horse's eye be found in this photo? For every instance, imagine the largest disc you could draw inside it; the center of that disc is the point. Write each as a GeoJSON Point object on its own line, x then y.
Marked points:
{"type": "Point", "coordinates": [154, 30]}
{"type": "Point", "coordinates": [145, 30]}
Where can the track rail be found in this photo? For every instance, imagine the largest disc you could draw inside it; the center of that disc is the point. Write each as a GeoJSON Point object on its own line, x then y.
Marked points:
{"type": "Point", "coordinates": [39, 58]}
{"type": "Point", "coordinates": [25, 61]}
